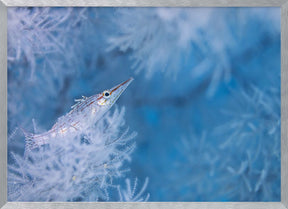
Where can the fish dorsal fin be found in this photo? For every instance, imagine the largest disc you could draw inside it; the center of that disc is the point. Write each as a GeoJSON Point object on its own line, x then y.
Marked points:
{"type": "Point", "coordinates": [78, 102]}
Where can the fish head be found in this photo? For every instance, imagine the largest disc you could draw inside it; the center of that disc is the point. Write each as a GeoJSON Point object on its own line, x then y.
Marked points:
{"type": "Point", "coordinates": [108, 97]}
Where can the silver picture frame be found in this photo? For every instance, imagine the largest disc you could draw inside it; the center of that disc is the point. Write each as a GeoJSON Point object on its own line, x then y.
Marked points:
{"type": "Point", "coordinates": [283, 4]}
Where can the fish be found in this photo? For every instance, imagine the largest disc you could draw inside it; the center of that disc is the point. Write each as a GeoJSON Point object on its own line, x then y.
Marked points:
{"type": "Point", "coordinates": [86, 109]}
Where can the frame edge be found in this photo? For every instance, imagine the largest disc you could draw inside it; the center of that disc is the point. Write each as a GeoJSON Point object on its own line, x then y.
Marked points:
{"type": "Point", "coordinates": [284, 104]}
{"type": "Point", "coordinates": [3, 3]}
{"type": "Point", "coordinates": [3, 103]}
{"type": "Point", "coordinates": [148, 3]}
{"type": "Point", "coordinates": [144, 205]}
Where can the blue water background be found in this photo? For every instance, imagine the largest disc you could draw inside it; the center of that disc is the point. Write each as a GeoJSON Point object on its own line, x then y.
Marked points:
{"type": "Point", "coordinates": [178, 116]}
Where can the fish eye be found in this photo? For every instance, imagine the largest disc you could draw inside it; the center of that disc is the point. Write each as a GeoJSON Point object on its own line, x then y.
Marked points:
{"type": "Point", "coordinates": [106, 94]}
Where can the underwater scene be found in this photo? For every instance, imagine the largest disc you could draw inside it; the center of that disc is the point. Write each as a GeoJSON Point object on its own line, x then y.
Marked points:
{"type": "Point", "coordinates": [144, 104]}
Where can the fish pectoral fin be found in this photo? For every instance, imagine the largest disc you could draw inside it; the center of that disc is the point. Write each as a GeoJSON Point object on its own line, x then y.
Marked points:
{"type": "Point", "coordinates": [78, 101]}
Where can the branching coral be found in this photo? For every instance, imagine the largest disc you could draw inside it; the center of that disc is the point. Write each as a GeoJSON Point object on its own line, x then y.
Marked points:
{"type": "Point", "coordinates": [255, 134]}
{"type": "Point", "coordinates": [199, 167]}
{"type": "Point", "coordinates": [42, 44]}
{"type": "Point", "coordinates": [130, 193]}
{"type": "Point", "coordinates": [75, 168]}
{"type": "Point", "coordinates": [35, 33]}
{"type": "Point", "coordinates": [155, 36]}
{"type": "Point", "coordinates": [240, 160]}
{"type": "Point", "coordinates": [177, 41]}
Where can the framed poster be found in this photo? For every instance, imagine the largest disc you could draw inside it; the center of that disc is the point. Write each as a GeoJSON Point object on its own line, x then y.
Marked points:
{"type": "Point", "coordinates": [178, 104]}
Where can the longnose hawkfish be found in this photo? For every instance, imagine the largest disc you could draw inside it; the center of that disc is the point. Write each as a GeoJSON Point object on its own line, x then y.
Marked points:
{"type": "Point", "coordinates": [86, 108]}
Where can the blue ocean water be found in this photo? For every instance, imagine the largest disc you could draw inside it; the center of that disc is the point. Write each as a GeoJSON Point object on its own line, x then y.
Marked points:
{"type": "Point", "coordinates": [205, 100]}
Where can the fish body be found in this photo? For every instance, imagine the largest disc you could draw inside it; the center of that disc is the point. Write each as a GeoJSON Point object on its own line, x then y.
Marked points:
{"type": "Point", "coordinates": [86, 109]}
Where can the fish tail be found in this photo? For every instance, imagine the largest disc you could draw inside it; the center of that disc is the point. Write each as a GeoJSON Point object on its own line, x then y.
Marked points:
{"type": "Point", "coordinates": [30, 142]}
